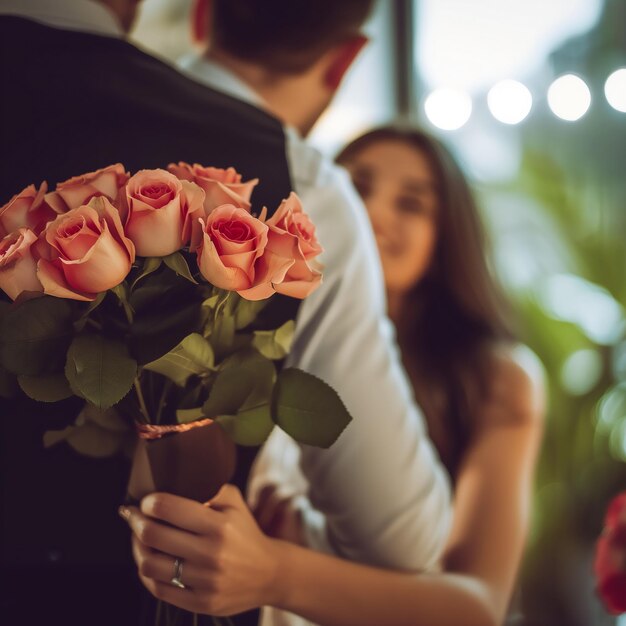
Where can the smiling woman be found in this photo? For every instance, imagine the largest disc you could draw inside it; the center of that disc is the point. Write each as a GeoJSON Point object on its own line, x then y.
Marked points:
{"type": "Point", "coordinates": [448, 310]}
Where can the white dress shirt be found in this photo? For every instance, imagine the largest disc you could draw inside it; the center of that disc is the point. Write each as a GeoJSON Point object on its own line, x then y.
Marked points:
{"type": "Point", "coordinates": [88, 16]}
{"type": "Point", "coordinates": [384, 494]}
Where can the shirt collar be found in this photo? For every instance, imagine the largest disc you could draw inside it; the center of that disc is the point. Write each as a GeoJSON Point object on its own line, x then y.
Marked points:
{"type": "Point", "coordinates": [216, 76]}
{"type": "Point", "coordinates": [212, 74]}
{"type": "Point", "coordinates": [82, 15]}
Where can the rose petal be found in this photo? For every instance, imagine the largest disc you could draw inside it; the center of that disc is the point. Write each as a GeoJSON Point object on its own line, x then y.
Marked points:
{"type": "Point", "coordinates": [18, 269]}
{"type": "Point", "coordinates": [271, 269]}
{"type": "Point", "coordinates": [54, 283]}
{"type": "Point", "coordinates": [216, 272]}
{"type": "Point", "coordinates": [114, 221]}
{"type": "Point", "coordinates": [192, 202]}
{"type": "Point", "coordinates": [104, 266]}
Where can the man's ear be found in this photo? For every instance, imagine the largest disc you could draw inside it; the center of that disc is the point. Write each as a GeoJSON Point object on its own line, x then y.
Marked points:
{"type": "Point", "coordinates": [342, 57]}
{"type": "Point", "coordinates": [201, 22]}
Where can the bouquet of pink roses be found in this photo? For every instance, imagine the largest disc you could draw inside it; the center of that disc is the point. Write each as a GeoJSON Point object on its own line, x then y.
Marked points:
{"type": "Point", "coordinates": [149, 297]}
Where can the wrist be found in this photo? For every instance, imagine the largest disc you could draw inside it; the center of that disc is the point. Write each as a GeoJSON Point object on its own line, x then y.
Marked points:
{"type": "Point", "coordinates": [280, 582]}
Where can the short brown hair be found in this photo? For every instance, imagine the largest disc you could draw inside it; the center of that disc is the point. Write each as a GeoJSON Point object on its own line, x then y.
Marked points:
{"type": "Point", "coordinates": [286, 35]}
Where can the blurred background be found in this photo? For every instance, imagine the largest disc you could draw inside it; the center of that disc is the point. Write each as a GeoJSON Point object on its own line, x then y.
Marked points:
{"type": "Point", "coordinates": [531, 96]}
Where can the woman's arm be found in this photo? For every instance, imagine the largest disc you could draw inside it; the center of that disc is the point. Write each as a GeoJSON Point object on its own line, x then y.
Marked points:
{"type": "Point", "coordinates": [493, 491]}
{"type": "Point", "coordinates": [492, 502]}
{"type": "Point", "coordinates": [232, 566]}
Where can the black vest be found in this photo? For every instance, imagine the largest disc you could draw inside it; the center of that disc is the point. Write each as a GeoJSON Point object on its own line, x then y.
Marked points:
{"type": "Point", "coordinates": [72, 103]}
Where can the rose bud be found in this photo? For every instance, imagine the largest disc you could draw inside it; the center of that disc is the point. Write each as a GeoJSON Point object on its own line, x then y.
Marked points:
{"type": "Point", "coordinates": [26, 209]}
{"type": "Point", "coordinates": [78, 190]}
{"type": "Point", "coordinates": [18, 268]}
{"type": "Point", "coordinates": [87, 252]}
{"type": "Point", "coordinates": [610, 559]}
{"type": "Point", "coordinates": [220, 186]}
{"type": "Point", "coordinates": [232, 241]}
{"type": "Point", "coordinates": [291, 237]}
{"type": "Point", "coordinates": [161, 212]}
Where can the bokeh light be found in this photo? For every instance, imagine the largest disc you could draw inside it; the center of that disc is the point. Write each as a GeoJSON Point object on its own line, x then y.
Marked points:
{"type": "Point", "coordinates": [592, 308]}
{"type": "Point", "coordinates": [448, 109]}
{"type": "Point", "coordinates": [509, 101]}
{"type": "Point", "coordinates": [615, 90]}
{"type": "Point", "coordinates": [569, 97]}
{"type": "Point", "coordinates": [581, 371]}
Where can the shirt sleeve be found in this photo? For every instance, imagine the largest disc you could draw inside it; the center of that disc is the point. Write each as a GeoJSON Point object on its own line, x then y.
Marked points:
{"type": "Point", "coordinates": [384, 495]}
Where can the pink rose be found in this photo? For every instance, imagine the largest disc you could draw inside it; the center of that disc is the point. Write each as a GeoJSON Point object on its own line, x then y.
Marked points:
{"type": "Point", "coordinates": [232, 242]}
{"type": "Point", "coordinates": [292, 237]}
{"type": "Point", "coordinates": [161, 212]}
{"type": "Point", "coordinates": [87, 252]}
{"type": "Point", "coordinates": [220, 186]}
{"type": "Point", "coordinates": [78, 190]}
{"type": "Point", "coordinates": [26, 209]}
{"type": "Point", "coordinates": [18, 268]}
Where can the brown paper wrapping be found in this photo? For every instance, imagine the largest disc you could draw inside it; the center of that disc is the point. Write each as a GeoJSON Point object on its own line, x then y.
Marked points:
{"type": "Point", "coordinates": [192, 464]}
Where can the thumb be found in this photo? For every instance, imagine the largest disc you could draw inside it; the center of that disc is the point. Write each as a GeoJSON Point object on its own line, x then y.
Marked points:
{"type": "Point", "coordinates": [228, 497]}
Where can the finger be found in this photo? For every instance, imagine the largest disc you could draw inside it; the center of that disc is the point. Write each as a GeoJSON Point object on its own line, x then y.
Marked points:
{"type": "Point", "coordinates": [173, 541]}
{"type": "Point", "coordinates": [279, 515]}
{"type": "Point", "coordinates": [274, 505]}
{"type": "Point", "coordinates": [161, 568]}
{"type": "Point", "coordinates": [263, 498]}
{"type": "Point", "coordinates": [228, 497]}
{"type": "Point", "coordinates": [166, 592]}
{"type": "Point", "coordinates": [182, 513]}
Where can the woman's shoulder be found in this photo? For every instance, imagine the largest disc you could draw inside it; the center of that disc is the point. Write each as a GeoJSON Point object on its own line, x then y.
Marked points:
{"type": "Point", "coordinates": [516, 392]}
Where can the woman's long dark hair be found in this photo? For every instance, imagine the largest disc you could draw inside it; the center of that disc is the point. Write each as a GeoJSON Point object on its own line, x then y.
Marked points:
{"type": "Point", "coordinates": [456, 315]}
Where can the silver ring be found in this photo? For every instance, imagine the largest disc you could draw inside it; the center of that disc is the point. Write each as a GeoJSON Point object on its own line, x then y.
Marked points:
{"type": "Point", "coordinates": [178, 573]}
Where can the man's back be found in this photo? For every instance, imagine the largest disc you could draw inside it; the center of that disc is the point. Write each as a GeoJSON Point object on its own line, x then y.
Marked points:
{"type": "Point", "coordinates": [74, 102]}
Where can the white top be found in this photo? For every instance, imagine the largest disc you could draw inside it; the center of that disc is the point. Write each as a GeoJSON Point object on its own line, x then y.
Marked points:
{"type": "Point", "coordinates": [82, 15]}
{"type": "Point", "coordinates": [381, 487]}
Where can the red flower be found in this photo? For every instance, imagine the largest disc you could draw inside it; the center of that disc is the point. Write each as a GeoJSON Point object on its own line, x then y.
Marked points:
{"type": "Point", "coordinates": [610, 561]}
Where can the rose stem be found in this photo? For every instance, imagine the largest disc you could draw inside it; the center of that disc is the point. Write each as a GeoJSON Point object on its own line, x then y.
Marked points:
{"type": "Point", "coordinates": [142, 403]}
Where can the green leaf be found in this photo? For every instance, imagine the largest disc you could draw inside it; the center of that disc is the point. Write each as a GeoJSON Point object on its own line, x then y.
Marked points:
{"type": "Point", "coordinates": [192, 356]}
{"type": "Point", "coordinates": [223, 335]}
{"type": "Point", "coordinates": [246, 381]}
{"type": "Point", "coordinates": [35, 335]}
{"type": "Point", "coordinates": [100, 369]}
{"type": "Point", "coordinates": [275, 344]}
{"type": "Point", "coordinates": [121, 291]}
{"type": "Point", "coordinates": [95, 304]}
{"type": "Point", "coordinates": [109, 419]}
{"type": "Point", "coordinates": [94, 441]}
{"type": "Point", "coordinates": [211, 302]}
{"type": "Point", "coordinates": [53, 437]}
{"type": "Point", "coordinates": [151, 264]}
{"type": "Point", "coordinates": [247, 311]}
{"type": "Point", "coordinates": [248, 428]}
{"type": "Point", "coordinates": [95, 433]}
{"type": "Point", "coordinates": [123, 295]}
{"type": "Point", "coordinates": [308, 409]}
{"type": "Point", "coordinates": [177, 263]}
{"type": "Point", "coordinates": [49, 388]}
{"type": "Point", "coordinates": [167, 309]}
{"type": "Point", "coordinates": [72, 378]}
{"type": "Point", "coordinates": [183, 416]}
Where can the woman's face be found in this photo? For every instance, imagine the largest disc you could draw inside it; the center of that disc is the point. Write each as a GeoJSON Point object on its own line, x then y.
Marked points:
{"type": "Point", "coordinates": [398, 187]}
